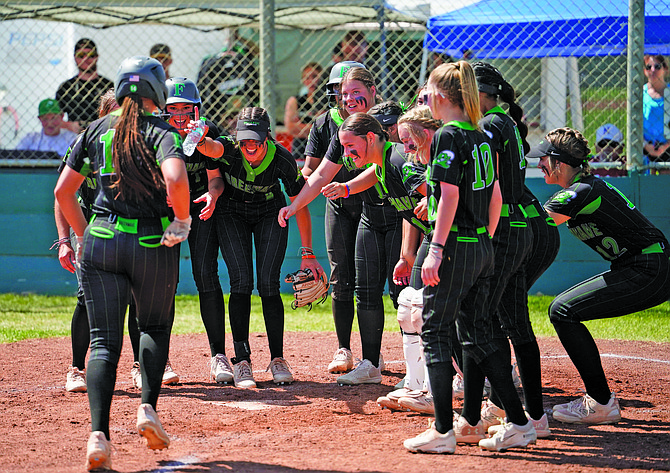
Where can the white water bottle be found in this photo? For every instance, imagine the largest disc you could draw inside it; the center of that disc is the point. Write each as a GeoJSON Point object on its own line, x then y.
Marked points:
{"type": "Point", "coordinates": [193, 138]}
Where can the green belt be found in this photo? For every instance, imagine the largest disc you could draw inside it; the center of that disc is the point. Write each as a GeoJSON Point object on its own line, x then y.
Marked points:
{"type": "Point", "coordinates": [480, 230]}
{"type": "Point", "coordinates": [655, 248]}
{"type": "Point", "coordinates": [505, 212]}
{"type": "Point", "coordinates": [127, 225]}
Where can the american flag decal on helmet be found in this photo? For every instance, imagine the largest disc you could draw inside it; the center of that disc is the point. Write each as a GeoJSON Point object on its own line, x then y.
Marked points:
{"type": "Point", "coordinates": [134, 78]}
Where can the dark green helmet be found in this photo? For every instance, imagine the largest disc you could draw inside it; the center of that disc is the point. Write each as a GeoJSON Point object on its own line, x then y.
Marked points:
{"type": "Point", "coordinates": [182, 90]}
{"type": "Point", "coordinates": [143, 76]}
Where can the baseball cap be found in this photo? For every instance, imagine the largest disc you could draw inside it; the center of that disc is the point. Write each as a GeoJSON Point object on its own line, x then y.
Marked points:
{"type": "Point", "coordinates": [545, 148]}
{"type": "Point", "coordinates": [252, 129]}
{"type": "Point", "coordinates": [48, 106]}
{"type": "Point", "coordinates": [160, 51]}
{"type": "Point", "coordinates": [85, 43]}
{"type": "Point", "coordinates": [609, 132]}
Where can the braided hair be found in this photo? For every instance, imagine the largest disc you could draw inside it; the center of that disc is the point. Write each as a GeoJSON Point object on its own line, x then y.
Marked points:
{"type": "Point", "coordinates": [490, 81]}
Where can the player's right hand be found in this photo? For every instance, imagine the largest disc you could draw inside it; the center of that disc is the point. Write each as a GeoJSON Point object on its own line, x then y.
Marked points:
{"type": "Point", "coordinates": [66, 257]}
{"type": "Point", "coordinates": [284, 214]}
{"type": "Point", "coordinates": [176, 232]}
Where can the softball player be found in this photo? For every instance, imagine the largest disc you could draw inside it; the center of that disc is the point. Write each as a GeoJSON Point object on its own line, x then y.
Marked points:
{"type": "Point", "coordinates": [252, 169]}
{"type": "Point", "coordinates": [364, 141]}
{"type": "Point", "coordinates": [464, 206]}
{"type": "Point", "coordinates": [130, 246]}
{"type": "Point", "coordinates": [512, 244]}
{"type": "Point", "coordinates": [341, 220]}
{"type": "Point", "coordinates": [182, 106]}
{"type": "Point", "coordinates": [639, 276]}
{"type": "Point", "coordinates": [378, 236]}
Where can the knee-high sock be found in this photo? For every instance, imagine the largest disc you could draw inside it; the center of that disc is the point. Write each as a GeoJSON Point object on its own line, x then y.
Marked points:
{"type": "Point", "coordinates": [154, 348]}
{"type": "Point", "coordinates": [213, 314]}
{"type": "Point", "coordinates": [530, 372]}
{"type": "Point", "coordinates": [80, 335]}
{"type": "Point", "coordinates": [506, 354]}
{"type": "Point", "coordinates": [498, 371]}
{"type": "Point", "coordinates": [273, 314]}
{"type": "Point", "coordinates": [134, 331]}
{"type": "Point", "coordinates": [414, 362]}
{"type": "Point", "coordinates": [100, 381]}
{"type": "Point", "coordinates": [583, 352]}
{"type": "Point", "coordinates": [343, 316]}
{"type": "Point", "coordinates": [473, 384]}
{"type": "Point", "coordinates": [371, 326]}
{"type": "Point", "coordinates": [239, 312]}
{"type": "Point", "coordinates": [440, 381]}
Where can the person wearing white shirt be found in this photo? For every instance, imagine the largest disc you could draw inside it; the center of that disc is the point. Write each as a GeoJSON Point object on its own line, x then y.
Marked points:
{"type": "Point", "coordinates": [51, 137]}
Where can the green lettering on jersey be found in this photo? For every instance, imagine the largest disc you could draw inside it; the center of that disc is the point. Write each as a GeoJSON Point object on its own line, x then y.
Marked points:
{"type": "Point", "coordinates": [484, 169]}
{"type": "Point", "coordinates": [106, 141]}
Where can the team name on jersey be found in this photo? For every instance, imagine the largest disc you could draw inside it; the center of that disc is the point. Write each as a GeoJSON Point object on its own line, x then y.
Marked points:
{"type": "Point", "coordinates": [586, 231]}
{"type": "Point", "coordinates": [193, 167]}
{"type": "Point", "coordinates": [249, 188]}
{"type": "Point", "coordinates": [402, 203]}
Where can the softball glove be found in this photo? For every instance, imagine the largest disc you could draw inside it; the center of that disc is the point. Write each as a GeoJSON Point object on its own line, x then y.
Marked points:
{"type": "Point", "coordinates": [307, 289]}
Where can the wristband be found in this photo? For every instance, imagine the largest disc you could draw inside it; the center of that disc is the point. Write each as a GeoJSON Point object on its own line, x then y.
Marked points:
{"type": "Point", "coordinates": [436, 245]}
{"type": "Point", "coordinates": [436, 252]}
{"type": "Point", "coordinates": [346, 186]}
{"type": "Point", "coordinates": [59, 242]}
{"type": "Point", "coordinates": [307, 253]}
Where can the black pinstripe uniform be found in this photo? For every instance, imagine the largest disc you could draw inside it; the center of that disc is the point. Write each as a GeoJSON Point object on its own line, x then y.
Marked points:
{"type": "Point", "coordinates": [638, 278]}
{"type": "Point", "coordinates": [378, 242]}
{"type": "Point", "coordinates": [342, 215]}
{"type": "Point", "coordinates": [247, 222]}
{"type": "Point", "coordinates": [80, 330]}
{"type": "Point", "coordinates": [546, 239]}
{"type": "Point", "coordinates": [341, 225]}
{"type": "Point", "coordinates": [203, 244]}
{"type": "Point", "coordinates": [123, 255]}
{"type": "Point", "coordinates": [463, 157]}
{"type": "Point", "coordinates": [512, 244]}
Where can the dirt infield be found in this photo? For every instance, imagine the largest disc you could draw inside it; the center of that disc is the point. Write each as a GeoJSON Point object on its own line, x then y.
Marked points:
{"type": "Point", "coordinates": [314, 424]}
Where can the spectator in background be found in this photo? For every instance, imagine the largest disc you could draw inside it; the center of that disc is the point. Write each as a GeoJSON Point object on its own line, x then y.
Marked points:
{"type": "Point", "coordinates": [354, 47]}
{"type": "Point", "coordinates": [656, 109]}
{"type": "Point", "coordinates": [78, 96]}
{"type": "Point", "coordinates": [161, 53]}
{"type": "Point", "coordinates": [300, 111]}
{"type": "Point", "coordinates": [51, 137]}
{"type": "Point", "coordinates": [609, 148]}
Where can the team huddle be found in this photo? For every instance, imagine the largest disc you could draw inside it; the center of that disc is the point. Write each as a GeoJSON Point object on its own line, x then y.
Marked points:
{"type": "Point", "coordinates": [429, 201]}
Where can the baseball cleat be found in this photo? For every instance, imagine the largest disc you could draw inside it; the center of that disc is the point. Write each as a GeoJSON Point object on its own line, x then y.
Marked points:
{"type": "Point", "coordinates": [586, 410]}
{"type": "Point", "coordinates": [281, 373]}
{"type": "Point", "coordinates": [220, 369]}
{"type": "Point", "coordinates": [169, 376]}
{"type": "Point", "coordinates": [98, 452]}
{"type": "Point", "coordinates": [509, 436]}
{"type": "Point", "coordinates": [431, 441]}
{"type": "Point", "coordinates": [390, 401]}
{"type": "Point", "coordinates": [76, 380]}
{"type": "Point", "coordinates": [343, 361]}
{"type": "Point", "coordinates": [466, 433]}
{"type": "Point", "coordinates": [149, 427]}
{"type": "Point", "coordinates": [136, 375]}
{"type": "Point", "coordinates": [244, 377]}
{"type": "Point", "coordinates": [422, 404]}
{"type": "Point", "coordinates": [541, 427]}
{"type": "Point", "coordinates": [364, 373]}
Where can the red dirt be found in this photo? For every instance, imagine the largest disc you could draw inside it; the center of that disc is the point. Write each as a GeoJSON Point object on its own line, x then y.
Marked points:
{"type": "Point", "coordinates": [314, 424]}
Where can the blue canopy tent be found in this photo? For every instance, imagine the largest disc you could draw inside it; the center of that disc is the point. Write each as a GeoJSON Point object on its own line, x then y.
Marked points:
{"type": "Point", "coordinates": [518, 29]}
{"type": "Point", "coordinates": [566, 30]}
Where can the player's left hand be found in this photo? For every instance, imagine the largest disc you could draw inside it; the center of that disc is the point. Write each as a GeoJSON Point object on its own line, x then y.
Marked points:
{"type": "Point", "coordinates": [210, 204]}
{"type": "Point", "coordinates": [66, 257]}
{"type": "Point", "coordinates": [421, 209]}
{"type": "Point", "coordinates": [176, 232]}
{"type": "Point", "coordinates": [402, 272]}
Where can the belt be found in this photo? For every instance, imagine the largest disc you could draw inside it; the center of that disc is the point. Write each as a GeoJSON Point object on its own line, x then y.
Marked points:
{"type": "Point", "coordinates": [480, 230]}
{"type": "Point", "coordinates": [655, 248]}
{"type": "Point", "coordinates": [508, 209]}
{"type": "Point", "coordinates": [127, 225]}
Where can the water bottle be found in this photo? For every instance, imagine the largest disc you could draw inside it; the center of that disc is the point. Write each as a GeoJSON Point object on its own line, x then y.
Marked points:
{"type": "Point", "coordinates": [193, 138]}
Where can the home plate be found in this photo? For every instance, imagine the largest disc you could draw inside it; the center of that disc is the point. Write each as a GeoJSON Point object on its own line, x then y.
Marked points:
{"type": "Point", "coordinates": [256, 405]}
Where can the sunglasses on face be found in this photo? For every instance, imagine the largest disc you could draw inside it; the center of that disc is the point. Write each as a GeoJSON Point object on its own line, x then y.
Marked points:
{"type": "Point", "coordinates": [84, 54]}
{"type": "Point", "coordinates": [655, 66]}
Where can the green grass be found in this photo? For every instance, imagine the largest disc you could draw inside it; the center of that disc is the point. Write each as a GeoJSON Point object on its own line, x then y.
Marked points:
{"type": "Point", "coordinates": [33, 316]}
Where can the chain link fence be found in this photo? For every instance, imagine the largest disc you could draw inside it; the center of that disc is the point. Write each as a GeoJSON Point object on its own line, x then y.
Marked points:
{"type": "Point", "coordinates": [566, 60]}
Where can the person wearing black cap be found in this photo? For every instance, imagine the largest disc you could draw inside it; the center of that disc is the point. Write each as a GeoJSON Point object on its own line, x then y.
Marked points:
{"type": "Point", "coordinates": [387, 114]}
{"type": "Point", "coordinates": [639, 276]}
{"type": "Point", "coordinates": [253, 168]}
{"type": "Point", "coordinates": [79, 96]}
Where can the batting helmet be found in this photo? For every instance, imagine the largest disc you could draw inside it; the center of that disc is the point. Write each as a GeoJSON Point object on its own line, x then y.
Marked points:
{"type": "Point", "coordinates": [337, 72]}
{"type": "Point", "coordinates": [143, 76]}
